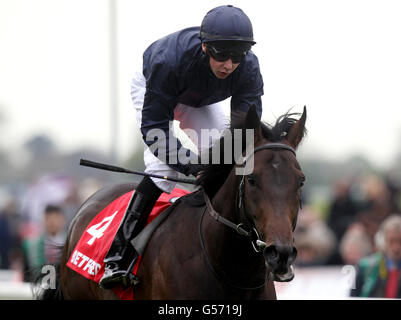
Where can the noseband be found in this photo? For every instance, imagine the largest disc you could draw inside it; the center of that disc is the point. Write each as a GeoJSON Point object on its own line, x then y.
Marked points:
{"type": "Point", "coordinates": [253, 234]}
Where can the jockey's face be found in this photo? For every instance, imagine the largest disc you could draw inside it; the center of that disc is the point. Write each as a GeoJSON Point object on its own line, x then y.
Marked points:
{"type": "Point", "coordinates": [221, 69]}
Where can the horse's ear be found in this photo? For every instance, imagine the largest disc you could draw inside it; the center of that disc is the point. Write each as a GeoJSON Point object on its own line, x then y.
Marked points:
{"type": "Point", "coordinates": [252, 121]}
{"type": "Point", "coordinates": [297, 131]}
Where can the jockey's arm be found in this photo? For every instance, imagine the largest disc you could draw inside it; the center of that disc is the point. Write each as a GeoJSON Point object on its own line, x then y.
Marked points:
{"type": "Point", "coordinates": [239, 109]}
{"type": "Point", "coordinates": [248, 92]}
{"type": "Point", "coordinates": [157, 132]}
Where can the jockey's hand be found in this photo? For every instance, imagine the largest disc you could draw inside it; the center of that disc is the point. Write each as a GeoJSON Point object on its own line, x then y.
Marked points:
{"type": "Point", "coordinates": [196, 169]}
{"type": "Point", "coordinates": [199, 174]}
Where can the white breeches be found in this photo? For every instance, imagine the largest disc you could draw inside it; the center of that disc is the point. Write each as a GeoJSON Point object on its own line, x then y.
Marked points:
{"type": "Point", "coordinates": [191, 121]}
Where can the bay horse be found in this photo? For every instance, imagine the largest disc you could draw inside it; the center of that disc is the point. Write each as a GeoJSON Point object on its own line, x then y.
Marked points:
{"type": "Point", "coordinates": [232, 244]}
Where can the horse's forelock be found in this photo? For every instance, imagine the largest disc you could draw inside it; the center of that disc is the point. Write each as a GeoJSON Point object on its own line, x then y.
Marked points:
{"type": "Point", "coordinates": [214, 175]}
{"type": "Point", "coordinates": [281, 128]}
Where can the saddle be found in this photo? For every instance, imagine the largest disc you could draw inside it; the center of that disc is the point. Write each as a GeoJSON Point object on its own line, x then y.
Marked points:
{"type": "Point", "coordinates": [88, 254]}
{"type": "Point", "coordinates": [194, 199]}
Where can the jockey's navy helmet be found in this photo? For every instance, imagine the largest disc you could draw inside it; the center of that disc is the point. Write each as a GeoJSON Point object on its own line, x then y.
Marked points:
{"type": "Point", "coordinates": [227, 24]}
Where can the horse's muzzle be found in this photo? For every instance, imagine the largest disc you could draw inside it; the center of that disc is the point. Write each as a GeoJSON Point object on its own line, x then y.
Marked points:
{"type": "Point", "coordinates": [279, 260]}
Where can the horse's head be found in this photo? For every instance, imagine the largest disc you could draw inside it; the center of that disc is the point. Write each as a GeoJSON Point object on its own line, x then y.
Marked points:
{"type": "Point", "coordinates": [272, 191]}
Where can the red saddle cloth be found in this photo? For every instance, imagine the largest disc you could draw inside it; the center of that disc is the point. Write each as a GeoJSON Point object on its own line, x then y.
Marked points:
{"type": "Point", "coordinates": [87, 257]}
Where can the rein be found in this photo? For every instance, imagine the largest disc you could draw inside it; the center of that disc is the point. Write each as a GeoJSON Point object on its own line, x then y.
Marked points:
{"type": "Point", "coordinates": [213, 270]}
{"type": "Point", "coordinates": [257, 244]}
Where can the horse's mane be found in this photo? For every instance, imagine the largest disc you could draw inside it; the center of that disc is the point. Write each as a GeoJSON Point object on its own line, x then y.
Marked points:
{"type": "Point", "coordinates": [214, 175]}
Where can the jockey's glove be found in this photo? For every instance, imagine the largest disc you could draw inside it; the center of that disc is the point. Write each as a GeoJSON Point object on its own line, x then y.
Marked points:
{"type": "Point", "coordinates": [195, 169]}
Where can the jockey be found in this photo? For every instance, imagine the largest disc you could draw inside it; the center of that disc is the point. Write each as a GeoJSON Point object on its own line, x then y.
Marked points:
{"type": "Point", "coordinates": [185, 77]}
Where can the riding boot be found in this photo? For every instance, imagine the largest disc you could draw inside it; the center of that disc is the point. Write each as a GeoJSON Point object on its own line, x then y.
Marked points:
{"type": "Point", "coordinates": [121, 252]}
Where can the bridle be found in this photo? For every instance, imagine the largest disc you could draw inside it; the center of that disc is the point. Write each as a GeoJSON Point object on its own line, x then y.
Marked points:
{"type": "Point", "coordinates": [253, 234]}
{"type": "Point", "coordinates": [257, 244]}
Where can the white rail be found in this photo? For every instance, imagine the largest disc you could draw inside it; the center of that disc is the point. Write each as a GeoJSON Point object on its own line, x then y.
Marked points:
{"type": "Point", "coordinates": [12, 288]}
{"type": "Point", "coordinates": [15, 291]}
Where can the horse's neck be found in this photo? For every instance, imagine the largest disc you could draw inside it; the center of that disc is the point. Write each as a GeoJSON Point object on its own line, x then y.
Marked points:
{"type": "Point", "coordinates": [229, 251]}
{"type": "Point", "coordinates": [224, 201]}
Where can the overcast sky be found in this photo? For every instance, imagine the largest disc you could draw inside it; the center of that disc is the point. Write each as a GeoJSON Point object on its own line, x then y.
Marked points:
{"type": "Point", "coordinates": [339, 58]}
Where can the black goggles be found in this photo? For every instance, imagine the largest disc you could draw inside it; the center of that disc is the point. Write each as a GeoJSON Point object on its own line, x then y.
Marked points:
{"type": "Point", "coordinates": [223, 55]}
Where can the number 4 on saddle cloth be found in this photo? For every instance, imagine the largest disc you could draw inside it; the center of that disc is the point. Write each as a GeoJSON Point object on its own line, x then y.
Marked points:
{"type": "Point", "coordinates": [87, 256]}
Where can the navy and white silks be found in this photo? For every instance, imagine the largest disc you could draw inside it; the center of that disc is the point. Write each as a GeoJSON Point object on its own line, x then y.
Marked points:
{"type": "Point", "coordinates": [176, 83]}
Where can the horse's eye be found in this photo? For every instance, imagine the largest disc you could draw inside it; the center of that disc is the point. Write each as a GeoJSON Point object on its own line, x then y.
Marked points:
{"type": "Point", "coordinates": [251, 180]}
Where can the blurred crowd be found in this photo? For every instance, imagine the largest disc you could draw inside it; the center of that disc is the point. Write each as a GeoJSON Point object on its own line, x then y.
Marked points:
{"type": "Point", "coordinates": [358, 224]}
{"type": "Point", "coordinates": [34, 221]}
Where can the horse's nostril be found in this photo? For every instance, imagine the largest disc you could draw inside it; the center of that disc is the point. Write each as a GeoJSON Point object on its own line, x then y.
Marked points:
{"type": "Point", "coordinates": [271, 253]}
{"type": "Point", "coordinates": [280, 254]}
